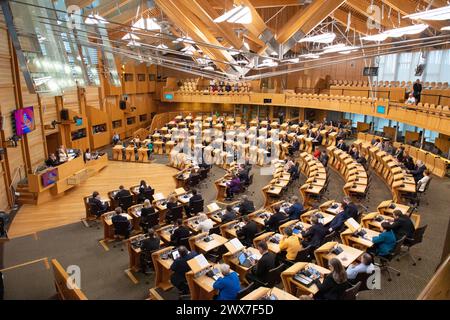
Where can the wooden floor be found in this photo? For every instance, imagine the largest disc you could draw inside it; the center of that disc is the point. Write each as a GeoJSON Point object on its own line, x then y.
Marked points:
{"type": "Point", "coordinates": [69, 208]}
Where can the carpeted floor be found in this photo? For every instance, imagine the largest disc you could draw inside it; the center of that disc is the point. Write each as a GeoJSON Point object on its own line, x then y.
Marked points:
{"type": "Point", "coordinates": [102, 272]}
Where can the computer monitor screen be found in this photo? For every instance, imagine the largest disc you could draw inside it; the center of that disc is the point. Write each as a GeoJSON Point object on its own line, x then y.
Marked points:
{"type": "Point", "coordinates": [49, 177]}
{"type": "Point", "coordinates": [175, 254]}
{"type": "Point", "coordinates": [242, 257]}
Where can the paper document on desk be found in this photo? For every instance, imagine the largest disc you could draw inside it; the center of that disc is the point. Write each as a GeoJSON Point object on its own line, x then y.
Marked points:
{"type": "Point", "coordinates": [237, 244]}
{"type": "Point", "coordinates": [201, 260]}
{"type": "Point", "coordinates": [352, 224]}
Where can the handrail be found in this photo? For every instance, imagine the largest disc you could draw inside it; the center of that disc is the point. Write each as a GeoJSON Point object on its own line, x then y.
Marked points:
{"type": "Point", "coordinates": [13, 184]}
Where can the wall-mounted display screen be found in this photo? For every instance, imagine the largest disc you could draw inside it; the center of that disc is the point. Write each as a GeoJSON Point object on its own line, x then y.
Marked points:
{"type": "Point", "coordinates": [24, 119]}
{"type": "Point", "coordinates": [381, 109]}
{"type": "Point", "coordinates": [168, 96]}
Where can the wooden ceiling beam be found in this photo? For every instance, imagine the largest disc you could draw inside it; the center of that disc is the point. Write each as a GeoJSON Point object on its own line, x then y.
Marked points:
{"type": "Point", "coordinates": [304, 21]}
{"type": "Point", "coordinates": [340, 15]}
{"type": "Point", "coordinates": [197, 31]}
{"type": "Point", "coordinates": [391, 22]}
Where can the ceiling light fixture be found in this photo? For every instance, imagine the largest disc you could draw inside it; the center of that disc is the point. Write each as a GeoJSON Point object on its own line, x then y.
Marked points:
{"type": "Point", "coordinates": [146, 24]}
{"type": "Point", "coordinates": [129, 36]}
{"type": "Point", "coordinates": [340, 47]}
{"type": "Point", "coordinates": [95, 19]}
{"type": "Point", "coordinates": [320, 38]}
{"type": "Point", "coordinates": [397, 32]}
{"type": "Point", "coordinates": [133, 43]}
{"type": "Point", "coordinates": [442, 13]}
{"type": "Point", "coordinates": [447, 28]}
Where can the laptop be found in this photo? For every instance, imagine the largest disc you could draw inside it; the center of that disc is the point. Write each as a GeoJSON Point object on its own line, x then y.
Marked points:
{"type": "Point", "coordinates": [244, 260]}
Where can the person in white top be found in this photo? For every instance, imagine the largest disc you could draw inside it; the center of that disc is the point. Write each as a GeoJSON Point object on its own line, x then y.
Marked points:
{"type": "Point", "coordinates": [204, 224]}
{"type": "Point", "coordinates": [422, 183]}
{"type": "Point", "coordinates": [411, 99]}
{"type": "Point", "coordinates": [366, 266]}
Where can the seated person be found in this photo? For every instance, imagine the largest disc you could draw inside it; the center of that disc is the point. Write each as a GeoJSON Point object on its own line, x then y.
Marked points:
{"type": "Point", "coordinates": [295, 146]}
{"type": "Point", "coordinates": [384, 243]}
{"type": "Point", "coordinates": [273, 222]}
{"type": "Point", "coordinates": [62, 154]}
{"type": "Point", "coordinates": [289, 164]}
{"type": "Point", "coordinates": [52, 161]}
{"type": "Point", "coordinates": [122, 193]}
{"type": "Point", "coordinates": [228, 285]}
{"type": "Point", "coordinates": [315, 234]}
{"type": "Point", "coordinates": [411, 99]}
{"type": "Point", "coordinates": [195, 197]}
{"type": "Point", "coordinates": [354, 153]}
{"type": "Point", "coordinates": [171, 203]}
{"type": "Point", "coordinates": [418, 170]}
{"type": "Point", "coordinates": [323, 158]}
{"type": "Point", "coordinates": [334, 284]}
{"type": "Point", "coordinates": [408, 162]}
{"type": "Point", "coordinates": [180, 268]}
{"type": "Point", "coordinates": [341, 145]}
{"type": "Point", "coordinates": [204, 223]}
{"type": "Point", "coordinates": [229, 214]}
{"type": "Point", "coordinates": [260, 271]}
{"type": "Point", "coordinates": [290, 243]}
{"type": "Point", "coordinates": [318, 139]}
{"type": "Point", "coordinates": [316, 153]}
{"type": "Point", "coordinates": [247, 233]}
{"type": "Point", "coordinates": [96, 205]}
{"type": "Point", "coordinates": [422, 183]}
{"type": "Point", "coordinates": [87, 155]}
{"type": "Point", "coordinates": [402, 225]}
{"type": "Point", "coordinates": [295, 209]}
{"type": "Point", "coordinates": [378, 143]}
{"type": "Point", "coordinates": [399, 153]}
{"type": "Point", "coordinates": [151, 243]}
{"type": "Point", "coordinates": [365, 266]}
{"type": "Point", "coordinates": [119, 217]}
{"type": "Point", "coordinates": [234, 186]}
{"type": "Point", "coordinates": [180, 232]}
{"type": "Point", "coordinates": [143, 187]}
{"type": "Point", "coordinates": [361, 160]}
{"type": "Point", "coordinates": [243, 175]}
{"type": "Point", "coordinates": [246, 206]}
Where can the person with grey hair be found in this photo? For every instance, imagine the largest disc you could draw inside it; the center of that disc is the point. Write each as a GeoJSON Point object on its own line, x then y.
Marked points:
{"type": "Point", "coordinates": [365, 266]}
{"type": "Point", "coordinates": [204, 223]}
{"type": "Point", "coordinates": [418, 170]}
{"type": "Point", "coordinates": [228, 285]}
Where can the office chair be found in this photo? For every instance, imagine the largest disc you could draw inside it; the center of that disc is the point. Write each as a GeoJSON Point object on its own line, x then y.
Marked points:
{"type": "Point", "coordinates": [121, 231]}
{"type": "Point", "coordinates": [305, 255]}
{"type": "Point", "coordinates": [193, 181]}
{"type": "Point", "coordinates": [215, 230]}
{"type": "Point", "coordinates": [148, 194]}
{"type": "Point", "coordinates": [174, 214]}
{"type": "Point", "coordinates": [149, 222]}
{"type": "Point", "coordinates": [245, 291]}
{"type": "Point", "coordinates": [351, 293]}
{"type": "Point", "coordinates": [385, 260]}
{"type": "Point", "coordinates": [126, 202]}
{"type": "Point", "coordinates": [183, 242]}
{"type": "Point", "coordinates": [95, 210]}
{"type": "Point", "coordinates": [147, 266]}
{"type": "Point", "coordinates": [274, 276]}
{"type": "Point", "coordinates": [330, 237]}
{"type": "Point", "coordinates": [410, 242]}
{"type": "Point", "coordinates": [197, 206]}
{"type": "Point", "coordinates": [362, 278]}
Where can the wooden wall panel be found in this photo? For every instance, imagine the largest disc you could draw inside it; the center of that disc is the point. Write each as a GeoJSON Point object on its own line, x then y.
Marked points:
{"type": "Point", "coordinates": [70, 100]}
{"type": "Point", "coordinates": [3, 190]}
{"type": "Point", "coordinates": [49, 111]}
{"type": "Point", "coordinates": [93, 97]}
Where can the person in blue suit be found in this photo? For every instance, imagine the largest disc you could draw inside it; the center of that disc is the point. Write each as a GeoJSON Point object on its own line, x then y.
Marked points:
{"type": "Point", "coordinates": [295, 209]}
{"type": "Point", "coordinates": [228, 285]}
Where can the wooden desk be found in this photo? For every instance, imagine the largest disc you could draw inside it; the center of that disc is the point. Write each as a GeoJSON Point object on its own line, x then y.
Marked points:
{"type": "Point", "coordinates": [198, 244]}
{"type": "Point", "coordinates": [118, 152]}
{"type": "Point", "coordinates": [143, 154]}
{"type": "Point", "coordinates": [323, 254]}
{"type": "Point", "coordinates": [166, 232]}
{"type": "Point", "coordinates": [296, 288]}
{"type": "Point", "coordinates": [134, 251]}
{"type": "Point", "coordinates": [349, 239]}
{"type": "Point", "coordinates": [162, 268]}
{"type": "Point", "coordinates": [384, 208]}
{"type": "Point", "coordinates": [306, 217]}
{"type": "Point", "coordinates": [369, 222]}
{"type": "Point", "coordinates": [233, 261]}
{"type": "Point", "coordinates": [263, 291]}
{"type": "Point", "coordinates": [257, 216]}
{"type": "Point", "coordinates": [273, 247]}
{"type": "Point", "coordinates": [129, 153]}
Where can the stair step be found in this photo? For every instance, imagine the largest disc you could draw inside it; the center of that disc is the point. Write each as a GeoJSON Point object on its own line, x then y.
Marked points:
{"type": "Point", "coordinates": [26, 201]}
{"type": "Point", "coordinates": [26, 196]}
